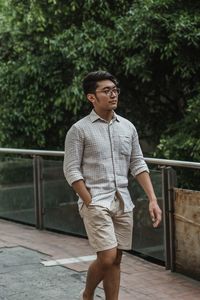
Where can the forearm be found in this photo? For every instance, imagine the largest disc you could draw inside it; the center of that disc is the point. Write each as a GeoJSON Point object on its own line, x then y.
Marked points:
{"type": "Point", "coordinates": [81, 189]}
{"type": "Point", "coordinates": [145, 182]}
{"type": "Point", "coordinates": [154, 210]}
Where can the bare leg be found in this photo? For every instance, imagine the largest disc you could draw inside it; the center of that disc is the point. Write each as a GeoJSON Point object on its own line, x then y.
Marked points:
{"type": "Point", "coordinates": [111, 280]}
{"type": "Point", "coordinates": [107, 268]}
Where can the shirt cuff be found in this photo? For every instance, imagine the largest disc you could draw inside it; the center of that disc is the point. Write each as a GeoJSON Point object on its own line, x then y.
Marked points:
{"type": "Point", "coordinates": [72, 178]}
{"type": "Point", "coordinates": [140, 170]}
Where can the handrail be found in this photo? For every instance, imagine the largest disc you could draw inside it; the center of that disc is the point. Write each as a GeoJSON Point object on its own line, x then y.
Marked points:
{"type": "Point", "coordinates": [175, 163]}
{"type": "Point", "coordinates": [157, 161]}
{"type": "Point", "coordinates": [32, 152]}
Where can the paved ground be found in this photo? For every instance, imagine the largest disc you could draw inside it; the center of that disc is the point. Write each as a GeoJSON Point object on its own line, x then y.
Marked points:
{"type": "Point", "coordinates": [43, 265]}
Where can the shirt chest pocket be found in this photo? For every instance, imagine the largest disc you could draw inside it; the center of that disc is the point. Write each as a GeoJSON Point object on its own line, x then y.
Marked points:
{"type": "Point", "coordinates": [125, 145]}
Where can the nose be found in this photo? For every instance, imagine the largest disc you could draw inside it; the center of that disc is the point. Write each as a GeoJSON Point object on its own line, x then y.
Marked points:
{"type": "Point", "coordinates": [113, 94]}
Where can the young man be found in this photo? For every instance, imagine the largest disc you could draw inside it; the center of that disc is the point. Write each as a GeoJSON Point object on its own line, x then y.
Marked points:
{"type": "Point", "coordinates": [100, 149]}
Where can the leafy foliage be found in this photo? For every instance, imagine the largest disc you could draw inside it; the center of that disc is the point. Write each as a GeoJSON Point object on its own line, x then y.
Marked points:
{"type": "Point", "coordinates": [152, 46]}
{"type": "Point", "coordinates": [181, 141]}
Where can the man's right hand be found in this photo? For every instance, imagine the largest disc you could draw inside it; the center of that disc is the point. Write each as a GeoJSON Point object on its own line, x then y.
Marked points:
{"type": "Point", "coordinates": [81, 189]}
{"type": "Point", "coordinates": [88, 203]}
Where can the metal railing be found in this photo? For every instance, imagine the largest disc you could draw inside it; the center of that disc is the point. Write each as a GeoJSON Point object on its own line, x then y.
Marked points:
{"type": "Point", "coordinates": [169, 181]}
{"type": "Point", "coordinates": [157, 161]}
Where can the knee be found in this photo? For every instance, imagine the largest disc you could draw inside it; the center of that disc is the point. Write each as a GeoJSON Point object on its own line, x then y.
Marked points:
{"type": "Point", "coordinates": [113, 259]}
{"type": "Point", "coordinates": [107, 262]}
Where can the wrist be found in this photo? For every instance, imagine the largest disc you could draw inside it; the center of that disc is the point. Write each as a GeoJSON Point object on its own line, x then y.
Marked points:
{"type": "Point", "coordinates": [153, 199]}
{"type": "Point", "coordinates": [87, 202]}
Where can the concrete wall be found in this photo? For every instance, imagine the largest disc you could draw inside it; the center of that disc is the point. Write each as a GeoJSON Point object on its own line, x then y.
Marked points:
{"type": "Point", "coordinates": [187, 232]}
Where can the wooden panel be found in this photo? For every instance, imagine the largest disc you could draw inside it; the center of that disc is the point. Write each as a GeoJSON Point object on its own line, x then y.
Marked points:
{"type": "Point", "coordinates": [187, 232]}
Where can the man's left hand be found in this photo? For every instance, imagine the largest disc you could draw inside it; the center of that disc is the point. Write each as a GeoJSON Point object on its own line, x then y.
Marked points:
{"type": "Point", "coordinates": [155, 213]}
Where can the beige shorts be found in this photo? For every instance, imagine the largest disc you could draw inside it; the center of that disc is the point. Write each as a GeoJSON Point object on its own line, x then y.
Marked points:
{"type": "Point", "coordinates": [108, 228]}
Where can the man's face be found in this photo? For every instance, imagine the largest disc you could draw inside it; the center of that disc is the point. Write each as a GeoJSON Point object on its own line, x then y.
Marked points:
{"type": "Point", "coordinates": [105, 97]}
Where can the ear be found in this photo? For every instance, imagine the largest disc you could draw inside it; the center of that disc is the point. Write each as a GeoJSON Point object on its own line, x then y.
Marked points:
{"type": "Point", "coordinates": [91, 97]}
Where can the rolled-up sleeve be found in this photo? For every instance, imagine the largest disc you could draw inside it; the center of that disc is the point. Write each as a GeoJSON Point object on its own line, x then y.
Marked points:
{"type": "Point", "coordinates": [73, 155]}
{"type": "Point", "coordinates": [137, 163]}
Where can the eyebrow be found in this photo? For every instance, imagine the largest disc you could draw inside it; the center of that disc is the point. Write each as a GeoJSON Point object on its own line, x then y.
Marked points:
{"type": "Point", "coordinates": [109, 87]}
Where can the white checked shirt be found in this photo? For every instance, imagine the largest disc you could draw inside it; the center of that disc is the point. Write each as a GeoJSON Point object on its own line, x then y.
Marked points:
{"type": "Point", "coordinates": [102, 153]}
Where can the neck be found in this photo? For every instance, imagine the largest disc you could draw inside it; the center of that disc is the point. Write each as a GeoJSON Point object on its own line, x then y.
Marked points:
{"type": "Point", "coordinates": [106, 115]}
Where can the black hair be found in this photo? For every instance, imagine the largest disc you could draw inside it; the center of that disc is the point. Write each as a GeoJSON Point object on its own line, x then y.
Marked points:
{"type": "Point", "coordinates": [91, 79]}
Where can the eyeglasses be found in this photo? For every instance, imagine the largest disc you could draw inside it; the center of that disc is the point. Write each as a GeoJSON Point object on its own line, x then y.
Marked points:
{"type": "Point", "coordinates": [109, 92]}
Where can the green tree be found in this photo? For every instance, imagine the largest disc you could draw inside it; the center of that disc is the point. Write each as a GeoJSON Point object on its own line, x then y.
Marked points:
{"type": "Point", "coordinates": [181, 141]}
{"type": "Point", "coordinates": [152, 46]}
{"type": "Point", "coordinates": [40, 78]}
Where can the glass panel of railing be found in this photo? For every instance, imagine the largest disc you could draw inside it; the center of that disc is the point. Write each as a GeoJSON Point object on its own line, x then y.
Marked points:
{"type": "Point", "coordinates": [60, 202]}
{"type": "Point", "coordinates": [61, 211]}
{"type": "Point", "coordinates": [147, 240]}
{"type": "Point", "coordinates": [16, 190]}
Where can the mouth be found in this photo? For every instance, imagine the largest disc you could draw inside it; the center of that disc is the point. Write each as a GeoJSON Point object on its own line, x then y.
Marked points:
{"type": "Point", "coordinates": [113, 102]}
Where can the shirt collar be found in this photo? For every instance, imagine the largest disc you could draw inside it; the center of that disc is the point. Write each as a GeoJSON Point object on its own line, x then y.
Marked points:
{"type": "Point", "coordinates": [94, 117]}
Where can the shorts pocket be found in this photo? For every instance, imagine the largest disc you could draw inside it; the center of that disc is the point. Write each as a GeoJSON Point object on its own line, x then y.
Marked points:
{"type": "Point", "coordinates": [81, 210]}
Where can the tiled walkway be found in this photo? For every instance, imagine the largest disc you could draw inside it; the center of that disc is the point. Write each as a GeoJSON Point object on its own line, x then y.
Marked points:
{"type": "Point", "coordinates": [23, 274]}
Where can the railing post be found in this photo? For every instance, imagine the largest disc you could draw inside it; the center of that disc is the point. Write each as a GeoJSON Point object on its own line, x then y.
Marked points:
{"type": "Point", "coordinates": [165, 217]}
{"type": "Point", "coordinates": [172, 182]}
{"type": "Point", "coordinates": [168, 183]}
{"type": "Point", "coordinates": [38, 191]}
